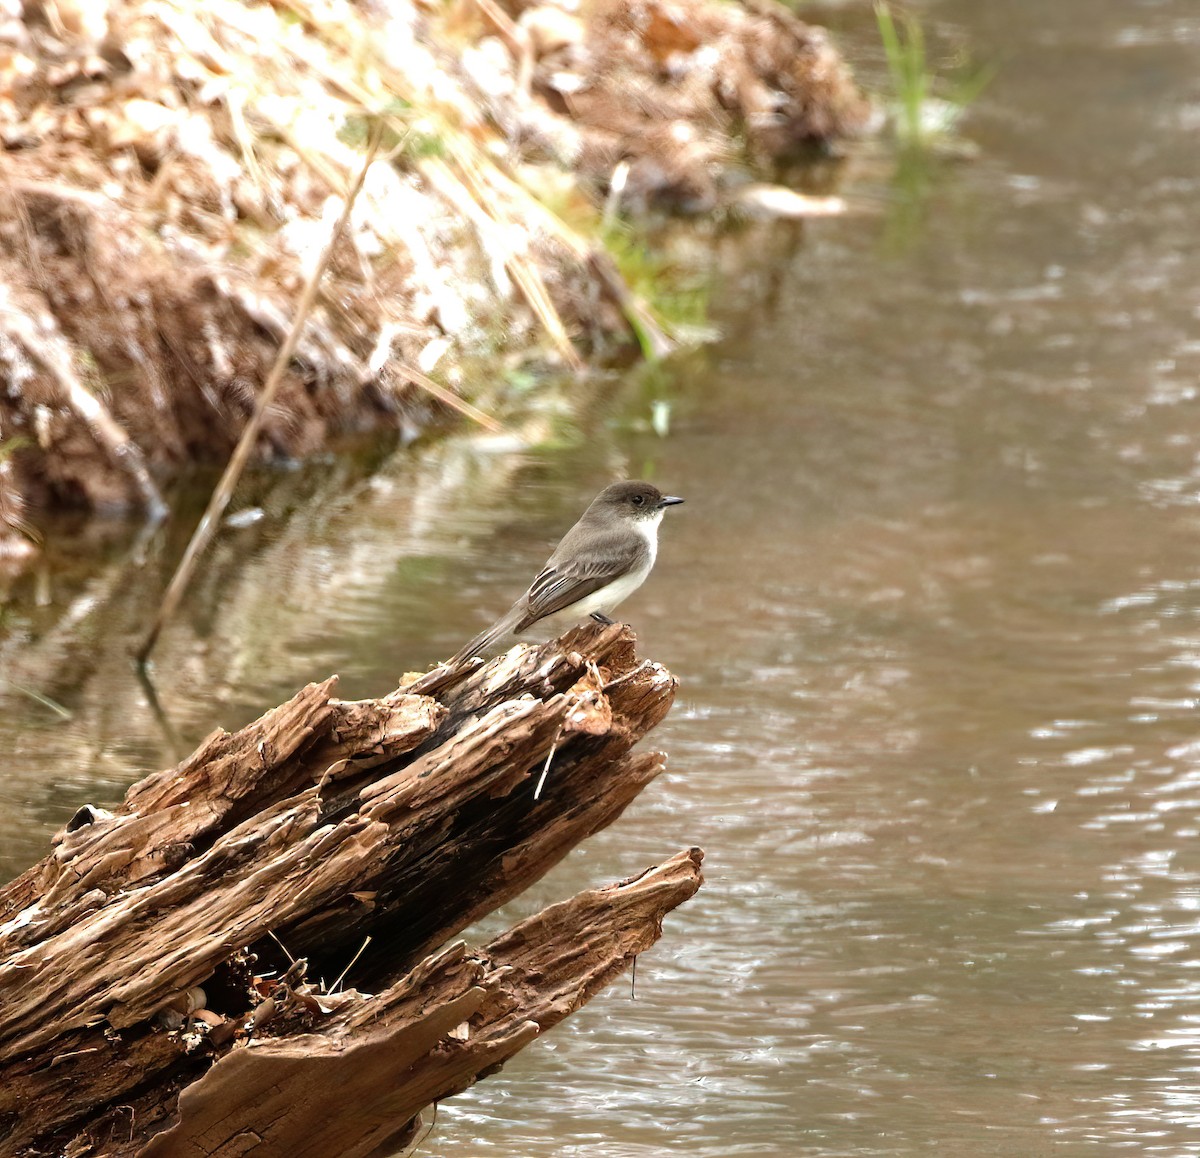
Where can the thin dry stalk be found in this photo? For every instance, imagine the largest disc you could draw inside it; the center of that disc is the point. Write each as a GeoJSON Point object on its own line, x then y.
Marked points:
{"type": "Point", "coordinates": [458, 193]}
{"type": "Point", "coordinates": [473, 192]}
{"type": "Point", "coordinates": [491, 179]}
{"type": "Point", "coordinates": [493, 235]}
{"type": "Point", "coordinates": [529, 278]}
{"type": "Point", "coordinates": [448, 398]}
{"type": "Point", "coordinates": [241, 454]}
{"type": "Point", "coordinates": [517, 41]}
{"type": "Point", "coordinates": [657, 341]}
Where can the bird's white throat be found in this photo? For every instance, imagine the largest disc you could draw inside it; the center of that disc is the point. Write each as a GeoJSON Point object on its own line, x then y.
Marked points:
{"type": "Point", "coordinates": [647, 527]}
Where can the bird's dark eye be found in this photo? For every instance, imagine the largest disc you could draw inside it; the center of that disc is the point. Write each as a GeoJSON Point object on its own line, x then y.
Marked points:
{"type": "Point", "coordinates": [638, 500]}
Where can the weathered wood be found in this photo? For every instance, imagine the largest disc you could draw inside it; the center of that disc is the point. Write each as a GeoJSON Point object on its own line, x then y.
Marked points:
{"type": "Point", "coordinates": [321, 825]}
{"type": "Point", "coordinates": [396, 1052]}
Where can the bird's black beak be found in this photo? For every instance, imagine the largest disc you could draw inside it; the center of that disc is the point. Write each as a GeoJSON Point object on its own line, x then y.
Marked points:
{"type": "Point", "coordinates": [669, 501]}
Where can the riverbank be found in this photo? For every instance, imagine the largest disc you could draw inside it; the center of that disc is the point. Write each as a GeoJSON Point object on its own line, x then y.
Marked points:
{"type": "Point", "coordinates": [172, 173]}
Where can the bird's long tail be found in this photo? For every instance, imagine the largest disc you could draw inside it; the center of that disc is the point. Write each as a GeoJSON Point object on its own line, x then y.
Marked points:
{"type": "Point", "coordinates": [483, 642]}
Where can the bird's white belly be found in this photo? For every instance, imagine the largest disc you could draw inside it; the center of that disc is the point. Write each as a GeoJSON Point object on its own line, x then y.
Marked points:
{"type": "Point", "coordinates": [607, 598]}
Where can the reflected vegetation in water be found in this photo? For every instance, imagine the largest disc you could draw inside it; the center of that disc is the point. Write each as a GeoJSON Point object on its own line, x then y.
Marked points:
{"type": "Point", "coordinates": [935, 603]}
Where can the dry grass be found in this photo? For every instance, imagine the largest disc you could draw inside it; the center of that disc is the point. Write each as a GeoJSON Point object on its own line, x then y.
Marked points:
{"type": "Point", "coordinates": [171, 170]}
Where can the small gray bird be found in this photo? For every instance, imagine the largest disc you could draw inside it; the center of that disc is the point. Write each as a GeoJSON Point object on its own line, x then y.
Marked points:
{"type": "Point", "coordinates": [602, 560]}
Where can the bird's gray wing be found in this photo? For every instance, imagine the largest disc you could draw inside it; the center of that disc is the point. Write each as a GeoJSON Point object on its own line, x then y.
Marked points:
{"type": "Point", "coordinates": [581, 564]}
{"type": "Point", "coordinates": [573, 574]}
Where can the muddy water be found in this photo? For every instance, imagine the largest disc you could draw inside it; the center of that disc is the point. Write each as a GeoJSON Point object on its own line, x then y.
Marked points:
{"type": "Point", "coordinates": [935, 602]}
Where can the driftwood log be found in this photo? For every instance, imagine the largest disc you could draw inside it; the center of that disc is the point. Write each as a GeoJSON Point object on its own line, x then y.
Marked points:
{"type": "Point", "coordinates": [148, 1005]}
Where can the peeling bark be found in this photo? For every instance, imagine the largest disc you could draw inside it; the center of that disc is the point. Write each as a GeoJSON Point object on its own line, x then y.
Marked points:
{"type": "Point", "coordinates": [142, 1007]}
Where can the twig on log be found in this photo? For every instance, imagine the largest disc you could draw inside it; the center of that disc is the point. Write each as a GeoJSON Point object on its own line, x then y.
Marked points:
{"type": "Point", "coordinates": [342, 975]}
{"type": "Point", "coordinates": [537, 792]}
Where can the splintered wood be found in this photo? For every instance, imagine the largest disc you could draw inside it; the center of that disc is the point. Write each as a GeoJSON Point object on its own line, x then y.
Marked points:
{"type": "Point", "coordinates": [171, 975]}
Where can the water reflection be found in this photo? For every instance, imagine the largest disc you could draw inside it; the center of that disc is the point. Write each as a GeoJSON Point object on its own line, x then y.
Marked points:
{"type": "Point", "coordinates": [935, 600]}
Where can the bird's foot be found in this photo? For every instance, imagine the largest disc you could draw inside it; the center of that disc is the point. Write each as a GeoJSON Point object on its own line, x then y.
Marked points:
{"type": "Point", "coordinates": [600, 617]}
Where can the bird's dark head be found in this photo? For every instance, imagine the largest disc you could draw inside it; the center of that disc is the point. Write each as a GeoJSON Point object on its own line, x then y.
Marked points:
{"type": "Point", "coordinates": [634, 500]}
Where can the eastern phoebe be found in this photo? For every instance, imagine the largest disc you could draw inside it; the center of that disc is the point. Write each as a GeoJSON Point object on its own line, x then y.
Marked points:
{"type": "Point", "coordinates": [602, 560]}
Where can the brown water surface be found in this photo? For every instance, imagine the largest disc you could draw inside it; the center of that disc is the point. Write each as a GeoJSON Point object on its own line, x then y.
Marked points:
{"type": "Point", "coordinates": [935, 606]}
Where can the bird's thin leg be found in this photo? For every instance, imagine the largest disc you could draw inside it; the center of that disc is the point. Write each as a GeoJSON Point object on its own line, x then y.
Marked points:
{"type": "Point", "coordinates": [600, 617]}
